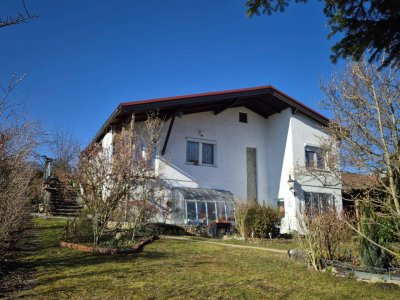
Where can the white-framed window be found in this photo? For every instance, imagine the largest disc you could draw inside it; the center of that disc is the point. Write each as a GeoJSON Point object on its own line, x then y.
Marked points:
{"type": "Point", "coordinates": [318, 202]}
{"type": "Point", "coordinates": [203, 212]}
{"type": "Point", "coordinates": [314, 157]}
{"type": "Point", "coordinates": [200, 152]}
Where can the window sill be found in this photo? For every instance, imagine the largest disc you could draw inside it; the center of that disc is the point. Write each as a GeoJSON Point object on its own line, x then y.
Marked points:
{"type": "Point", "coordinates": [316, 169]}
{"type": "Point", "coordinates": [201, 165]}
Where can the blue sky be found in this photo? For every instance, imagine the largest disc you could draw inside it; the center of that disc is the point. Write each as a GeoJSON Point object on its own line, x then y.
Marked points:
{"type": "Point", "coordinates": [82, 58]}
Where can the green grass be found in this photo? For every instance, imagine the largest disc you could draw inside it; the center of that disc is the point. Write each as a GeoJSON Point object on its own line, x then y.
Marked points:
{"type": "Point", "coordinates": [183, 270]}
{"type": "Point", "coordinates": [279, 244]}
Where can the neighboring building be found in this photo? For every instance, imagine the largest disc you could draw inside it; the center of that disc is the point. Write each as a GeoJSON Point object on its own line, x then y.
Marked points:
{"type": "Point", "coordinates": [356, 187]}
{"type": "Point", "coordinates": [243, 142]}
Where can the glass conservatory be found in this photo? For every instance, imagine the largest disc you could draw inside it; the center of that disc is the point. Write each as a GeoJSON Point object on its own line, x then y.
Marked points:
{"type": "Point", "coordinates": [199, 206]}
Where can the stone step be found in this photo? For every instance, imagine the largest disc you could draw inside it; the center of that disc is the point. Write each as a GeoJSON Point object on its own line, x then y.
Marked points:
{"type": "Point", "coordinates": [64, 214]}
{"type": "Point", "coordinates": [60, 204]}
{"type": "Point", "coordinates": [63, 202]}
{"type": "Point", "coordinates": [65, 209]}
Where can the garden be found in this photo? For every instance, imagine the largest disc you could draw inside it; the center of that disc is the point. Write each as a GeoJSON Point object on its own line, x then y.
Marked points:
{"type": "Point", "coordinates": [180, 269]}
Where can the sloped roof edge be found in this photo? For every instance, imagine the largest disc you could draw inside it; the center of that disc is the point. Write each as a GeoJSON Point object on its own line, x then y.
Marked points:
{"type": "Point", "coordinates": [268, 88]}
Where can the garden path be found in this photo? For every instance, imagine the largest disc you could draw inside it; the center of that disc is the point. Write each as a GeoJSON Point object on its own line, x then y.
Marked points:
{"type": "Point", "coordinates": [223, 244]}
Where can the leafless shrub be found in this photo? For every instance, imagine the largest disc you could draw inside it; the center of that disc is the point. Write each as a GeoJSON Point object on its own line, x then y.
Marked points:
{"type": "Point", "coordinates": [147, 200]}
{"type": "Point", "coordinates": [112, 179]}
{"type": "Point", "coordinates": [323, 235]}
{"type": "Point", "coordinates": [241, 210]}
{"type": "Point", "coordinates": [18, 139]}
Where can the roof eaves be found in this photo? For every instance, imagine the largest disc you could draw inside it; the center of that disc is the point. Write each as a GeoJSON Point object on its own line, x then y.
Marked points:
{"type": "Point", "coordinates": [106, 124]}
{"type": "Point", "coordinates": [289, 100]}
{"type": "Point", "coordinates": [304, 108]}
{"type": "Point", "coordinates": [191, 96]}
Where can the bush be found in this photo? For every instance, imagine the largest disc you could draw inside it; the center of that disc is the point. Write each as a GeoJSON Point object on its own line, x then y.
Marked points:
{"type": "Point", "coordinates": [374, 228]}
{"type": "Point", "coordinates": [163, 229]}
{"type": "Point", "coordinates": [255, 220]}
{"type": "Point", "coordinates": [323, 235]}
{"type": "Point", "coordinates": [15, 206]}
{"type": "Point", "coordinates": [79, 230]}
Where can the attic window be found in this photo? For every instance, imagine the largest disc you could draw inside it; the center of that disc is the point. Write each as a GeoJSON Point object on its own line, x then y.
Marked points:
{"type": "Point", "coordinates": [242, 117]}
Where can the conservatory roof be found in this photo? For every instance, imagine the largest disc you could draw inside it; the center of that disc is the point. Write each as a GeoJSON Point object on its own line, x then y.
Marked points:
{"type": "Point", "coordinates": [204, 194]}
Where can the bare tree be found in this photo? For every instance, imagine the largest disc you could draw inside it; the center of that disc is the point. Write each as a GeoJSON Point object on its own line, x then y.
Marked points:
{"type": "Point", "coordinates": [65, 150]}
{"type": "Point", "coordinates": [22, 16]}
{"type": "Point", "coordinates": [365, 102]}
{"type": "Point", "coordinates": [18, 139]}
{"type": "Point", "coordinates": [147, 200]}
{"type": "Point", "coordinates": [111, 179]}
{"type": "Point", "coordinates": [364, 137]}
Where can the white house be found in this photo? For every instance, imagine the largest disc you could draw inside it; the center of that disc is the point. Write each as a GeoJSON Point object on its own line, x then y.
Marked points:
{"type": "Point", "coordinates": [237, 144]}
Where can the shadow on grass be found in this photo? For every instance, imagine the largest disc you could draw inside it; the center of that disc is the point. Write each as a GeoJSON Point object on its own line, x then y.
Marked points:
{"type": "Point", "coordinates": [49, 226]}
{"type": "Point", "coordinates": [80, 259]}
{"type": "Point", "coordinates": [89, 264]}
{"type": "Point", "coordinates": [14, 276]}
{"type": "Point", "coordinates": [59, 261]}
{"type": "Point", "coordinates": [16, 273]}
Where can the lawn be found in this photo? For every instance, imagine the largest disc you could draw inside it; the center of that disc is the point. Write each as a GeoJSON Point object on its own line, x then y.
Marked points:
{"type": "Point", "coordinates": [183, 270]}
{"type": "Point", "coordinates": [279, 244]}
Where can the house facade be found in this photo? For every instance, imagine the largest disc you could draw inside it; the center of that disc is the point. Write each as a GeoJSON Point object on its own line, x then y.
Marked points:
{"type": "Point", "coordinates": [238, 145]}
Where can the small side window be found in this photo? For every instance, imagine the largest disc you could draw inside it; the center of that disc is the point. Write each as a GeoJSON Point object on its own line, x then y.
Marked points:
{"type": "Point", "coordinates": [281, 206]}
{"type": "Point", "coordinates": [242, 117]}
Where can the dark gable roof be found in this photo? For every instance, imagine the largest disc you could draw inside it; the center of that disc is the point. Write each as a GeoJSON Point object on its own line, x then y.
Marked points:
{"type": "Point", "coordinates": [264, 100]}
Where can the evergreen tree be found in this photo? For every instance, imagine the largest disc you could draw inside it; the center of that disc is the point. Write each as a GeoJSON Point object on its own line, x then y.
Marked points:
{"type": "Point", "coordinates": [366, 25]}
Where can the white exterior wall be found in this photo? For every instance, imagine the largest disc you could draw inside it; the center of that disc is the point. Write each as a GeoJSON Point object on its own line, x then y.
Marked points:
{"type": "Point", "coordinates": [305, 132]}
{"type": "Point", "coordinates": [280, 141]}
{"type": "Point", "coordinates": [272, 137]}
{"type": "Point", "coordinates": [231, 138]}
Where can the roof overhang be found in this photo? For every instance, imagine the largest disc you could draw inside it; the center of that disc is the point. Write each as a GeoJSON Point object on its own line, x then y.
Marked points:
{"type": "Point", "coordinates": [264, 100]}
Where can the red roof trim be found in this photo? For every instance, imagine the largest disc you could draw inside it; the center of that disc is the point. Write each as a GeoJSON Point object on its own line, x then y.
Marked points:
{"type": "Point", "coordinates": [300, 104]}
{"type": "Point", "coordinates": [195, 95]}
{"type": "Point", "coordinates": [155, 100]}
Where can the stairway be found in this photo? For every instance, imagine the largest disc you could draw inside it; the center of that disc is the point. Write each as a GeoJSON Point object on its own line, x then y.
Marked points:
{"type": "Point", "coordinates": [63, 201]}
